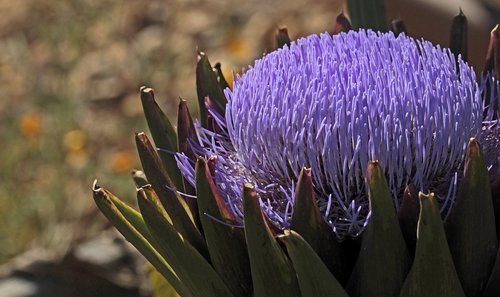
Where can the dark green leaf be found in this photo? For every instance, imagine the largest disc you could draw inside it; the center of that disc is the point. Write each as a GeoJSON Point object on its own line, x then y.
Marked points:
{"type": "Point", "coordinates": [220, 77]}
{"type": "Point", "coordinates": [493, 284]}
{"type": "Point", "coordinates": [495, 195]}
{"type": "Point", "coordinates": [186, 133]}
{"type": "Point", "coordinates": [272, 272]}
{"type": "Point", "coordinates": [226, 243]}
{"type": "Point", "coordinates": [471, 227]}
{"type": "Point", "coordinates": [208, 86]}
{"type": "Point", "coordinates": [458, 36]}
{"type": "Point", "coordinates": [308, 222]}
{"type": "Point", "coordinates": [282, 37]}
{"type": "Point", "coordinates": [342, 24]}
{"type": "Point", "coordinates": [111, 212]}
{"type": "Point", "coordinates": [193, 270]}
{"type": "Point", "coordinates": [383, 261]}
{"type": "Point", "coordinates": [132, 216]}
{"type": "Point", "coordinates": [432, 272]}
{"type": "Point", "coordinates": [173, 204]}
{"type": "Point", "coordinates": [315, 280]}
{"type": "Point", "coordinates": [368, 14]}
{"type": "Point", "coordinates": [163, 134]}
{"type": "Point", "coordinates": [492, 61]}
{"type": "Point", "coordinates": [185, 130]}
{"type": "Point", "coordinates": [408, 217]}
{"type": "Point", "coordinates": [398, 27]}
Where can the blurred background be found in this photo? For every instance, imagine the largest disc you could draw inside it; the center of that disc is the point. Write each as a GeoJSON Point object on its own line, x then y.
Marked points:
{"type": "Point", "coordinates": [70, 72]}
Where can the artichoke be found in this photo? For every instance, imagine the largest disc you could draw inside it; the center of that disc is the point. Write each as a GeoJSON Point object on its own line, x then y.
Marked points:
{"type": "Point", "coordinates": [358, 164]}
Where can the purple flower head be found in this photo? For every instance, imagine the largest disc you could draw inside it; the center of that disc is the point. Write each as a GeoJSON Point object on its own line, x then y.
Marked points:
{"type": "Point", "coordinates": [333, 103]}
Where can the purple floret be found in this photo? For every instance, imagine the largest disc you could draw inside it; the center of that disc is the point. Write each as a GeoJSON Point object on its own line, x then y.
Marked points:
{"type": "Point", "coordinates": [333, 103]}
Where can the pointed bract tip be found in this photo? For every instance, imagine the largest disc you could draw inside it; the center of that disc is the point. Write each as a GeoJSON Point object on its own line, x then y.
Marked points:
{"type": "Point", "coordinates": [141, 193]}
{"type": "Point", "coordinates": [95, 186]}
{"type": "Point", "coordinates": [283, 29]}
{"type": "Point", "coordinates": [474, 147]}
{"type": "Point", "coordinates": [145, 89]}
{"type": "Point", "coordinates": [307, 170]}
{"type": "Point", "coordinates": [99, 193]}
{"type": "Point", "coordinates": [427, 200]}
{"type": "Point", "coordinates": [201, 55]}
{"type": "Point", "coordinates": [422, 196]}
{"type": "Point", "coordinates": [495, 30]}
{"type": "Point", "coordinates": [398, 26]}
{"type": "Point", "coordinates": [144, 188]}
{"type": "Point", "coordinates": [373, 167]}
{"type": "Point", "coordinates": [428, 208]}
{"type": "Point", "coordinates": [282, 37]}
{"type": "Point", "coordinates": [147, 187]}
{"type": "Point", "coordinates": [342, 23]}
{"type": "Point", "coordinates": [139, 135]}
{"type": "Point", "coordinates": [248, 187]}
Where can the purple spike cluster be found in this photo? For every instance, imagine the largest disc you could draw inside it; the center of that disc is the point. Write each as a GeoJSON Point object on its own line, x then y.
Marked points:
{"type": "Point", "coordinates": [333, 104]}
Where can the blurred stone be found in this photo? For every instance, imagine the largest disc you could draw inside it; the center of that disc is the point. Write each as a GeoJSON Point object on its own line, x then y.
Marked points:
{"type": "Point", "coordinates": [105, 266]}
{"type": "Point", "coordinates": [149, 40]}
{"type": "Point", "coordinates": [17, 287]}
{"type": "Point", "coordinates": [131, 105]}
{"type": "Point", "coordinates": [105, 74]}
{"type": "Point", "coordinates": [105, 88]}
{"type": "Point", "coordinates": [194, 20]}
{"type": "Point", "coordinates": [14, 15]}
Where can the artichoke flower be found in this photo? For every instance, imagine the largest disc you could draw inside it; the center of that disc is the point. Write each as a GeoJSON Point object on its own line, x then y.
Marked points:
{"type": "Point", "coordinates": [344, 165]}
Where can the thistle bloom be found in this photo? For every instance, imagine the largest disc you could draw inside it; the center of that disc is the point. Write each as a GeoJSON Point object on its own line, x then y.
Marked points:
{"type": "Point", "coordinates": [333, 104]}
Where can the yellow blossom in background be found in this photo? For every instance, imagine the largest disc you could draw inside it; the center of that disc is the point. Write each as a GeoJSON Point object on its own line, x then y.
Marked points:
{"type": "Point", "coordinates": [30, 125]}
{"type": "Point", "coordinates": [75, 142]}
{"type": "Point", "coordinates": [123, 161]}
{"type": "Point", "coordinates": [228, 74]}
{"type": "Point", "coordinates": [238, 48]}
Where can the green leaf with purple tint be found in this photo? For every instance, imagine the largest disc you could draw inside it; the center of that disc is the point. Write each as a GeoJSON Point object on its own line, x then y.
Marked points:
{"type": "Point", "coordinates": [173, 204]}
{"type": "Point", "coordinates": [163, 133]}
{"type": "Point", "coordinates": [383, 262]}
{"type": "Point", "coordinates": [471, 226]}
{"type": "Point", "coordinates": [432, 272]}
{"type": "Point", "coordinates": [226, 242]}
{"type": "Point", "coordinates": [208, 86]}
{"type": "Point", "coordinates": [310, 224]}
{"type": "Point", "coordinates": [193, 270]}
{"type": "Point", "coordinates": [272, 271]}
{"type": "Point", "coordinates": [111, 212]}
{"type": "Point", "coordinates": [315, 280]}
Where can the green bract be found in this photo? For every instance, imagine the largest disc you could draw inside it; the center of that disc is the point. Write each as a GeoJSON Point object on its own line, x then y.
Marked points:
{"type": "Point", "coordinates": [201, 248]}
